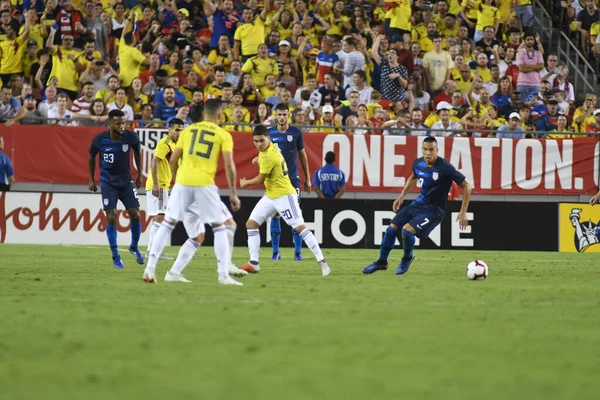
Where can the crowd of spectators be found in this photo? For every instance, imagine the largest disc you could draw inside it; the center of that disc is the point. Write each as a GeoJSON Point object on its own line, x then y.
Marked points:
{"type": "Point", "coordinates": [456, 67]}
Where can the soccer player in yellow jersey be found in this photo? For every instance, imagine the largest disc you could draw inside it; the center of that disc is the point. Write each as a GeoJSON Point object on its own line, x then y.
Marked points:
{"type": "Point", "coordinates": [195, 197]}
{"type": "Point", "coordinates": [280, 197]}
{"type": "Point", "coordinates": [159, 179]}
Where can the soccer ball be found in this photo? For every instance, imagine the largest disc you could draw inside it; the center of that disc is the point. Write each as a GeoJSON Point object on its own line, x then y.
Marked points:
{"type": "Point", "coordinates": [477, 270]}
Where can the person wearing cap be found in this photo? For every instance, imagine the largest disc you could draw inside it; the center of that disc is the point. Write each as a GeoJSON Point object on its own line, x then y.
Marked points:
{"type": "Point", "coordinates": [513, 129]}
{"type": "Point", "coordinates": [11, 52]}
{"type": "Point", "coordinates": [538, 107]}
{"type": "Point", "coordinates": [28, 114]}
{"type": "Point", "coordinates": [251, 34]}
{"type": "Point", "coordinates": [326, 123]}
{"type": "Point", "coordinates": [329, 181]}
{"type": "Point", "coordinates": [445, 126]}
{"type": "Point", "coordinates": [30, 58]}
{"type": "Point", "coordinates": [547, 122]}
{"type": "Point", "coordinates": [260, 66]}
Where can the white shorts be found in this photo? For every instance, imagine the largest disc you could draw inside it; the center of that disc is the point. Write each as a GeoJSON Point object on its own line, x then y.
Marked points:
{"type": "Point", "coordinates": [157, 205]}
{"type": "Point", "coordinates": [287, 207]}
{"type": "Point", "coordinates": [197, 205]}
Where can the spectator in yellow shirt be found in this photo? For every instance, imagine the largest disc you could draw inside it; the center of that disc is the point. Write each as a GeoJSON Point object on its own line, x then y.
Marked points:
{"type": "Point", "coordinates": [260, 66]}
{"type": "Point", "coordinates": [250, 34]}
{"type": "Point", "coordinates": [11, 52]}
{"type": "Point", "coordinates": [65, 64]}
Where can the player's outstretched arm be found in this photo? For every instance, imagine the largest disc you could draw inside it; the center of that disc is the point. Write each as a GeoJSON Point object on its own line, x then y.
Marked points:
{"type": "Point", "coordinates": [257, 180]}
{"type": "Point", "coordinates": [410, 184]}
{"type": "Point", "coordinates": [174, 161]}
{"type": "Point", "coordinates": [462, 215]}
{"type": "Point", "coordinates": [230, 173]}
{"type": "Point", "coordinates": [304, 163]}
{"type": "Point", "coordinates": [92, 171]}
{"type": "Point", "coordinates": [595, 199]}
{"type": "Point", "coordinates": [137, 156]}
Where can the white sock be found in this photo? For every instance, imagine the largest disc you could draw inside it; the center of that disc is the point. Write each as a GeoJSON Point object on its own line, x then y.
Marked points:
{"type": "Point", "coordinates": [312, 243]}
{"type": "Point", "coordinates": [153, 228]}
{"type": "Point", "coordinates": [253, 244]}
{"type": "Point", "coordinates": [186, 252]}
{"type": "Point", "coordinates": [222, 251]}
{"type": "Point", "coordinates": [158, 244]}
{"type": "Point", "coordinates": [230, 239]}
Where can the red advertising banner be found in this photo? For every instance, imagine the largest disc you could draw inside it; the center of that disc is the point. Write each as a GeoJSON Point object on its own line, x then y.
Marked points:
{"type": "Point", "coordinates": [371, 162]}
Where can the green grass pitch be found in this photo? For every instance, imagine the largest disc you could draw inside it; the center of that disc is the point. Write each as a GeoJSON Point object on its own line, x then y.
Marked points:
{"type": "Point", "coordinates": [72, 327]}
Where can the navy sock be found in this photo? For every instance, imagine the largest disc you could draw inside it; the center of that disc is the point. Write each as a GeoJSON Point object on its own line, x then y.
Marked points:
{"type": "Point", "coordinates": [275, 233]}
{"type": "Point", "coordinates": [387, 244]}
{"type": "Point", "coordinates": [136, 230]}
{"type": "Point", "coordinates": [408, 243]}
{"type": "Point", "coordinates": [111, 233]}
{"type": "Point", "coordinates": [297, 241]}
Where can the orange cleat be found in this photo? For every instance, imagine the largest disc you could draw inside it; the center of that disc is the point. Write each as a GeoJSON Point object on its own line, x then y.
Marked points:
{"type": "Point", "coordinates": [251, 269]}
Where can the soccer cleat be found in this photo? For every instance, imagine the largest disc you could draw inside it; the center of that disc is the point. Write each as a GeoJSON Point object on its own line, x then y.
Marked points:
{"type": "Point", "coordinates": [251, 269]}
{"type": "Point", "coordinates": [139, 258]}
{"type": "Point", "coordinates": [404, 265]}
{"type": "Point", "coordinates": [235, 271]}
{"type": "Point", "coordinates": [324, 268]}
{"type": "Point", "coordinates": [149, 277]}
{"type": "Point", "coordinates": [298, 257]}
{"type": "Point", "coordinates": [118, 263]}
{"type": "Point", "coordinates": [169, 277]}
{"type": "Point", "coordinates": [229, 281]}
{"type": "Point", "coordinates": [376, 266]}
{"type": "Point", "coordinates": [276, 256]}
{"type": "Point", "coordinates": [163, 256]}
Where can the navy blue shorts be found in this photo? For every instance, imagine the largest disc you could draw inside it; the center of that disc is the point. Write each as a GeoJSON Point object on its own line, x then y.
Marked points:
{"type": "Point", "coordinates": [111, 194]}
{"type": "Point", "coordinates": [423, 219]}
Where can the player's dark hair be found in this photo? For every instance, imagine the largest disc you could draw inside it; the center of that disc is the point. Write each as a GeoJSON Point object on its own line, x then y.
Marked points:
{"type": "Point", "coordinates": [430, 139]}
{"type": "Point", "coordinates": [176, 121]}
{"type": "Point", "coordinates": [226, 85]}
{"type": "Point", "coordinates": [115, 114]}
{"type": "Point", "coordinates": [212, 106]}
{"type": "Point", "coordinates": [282, 107]}
{"type": "Point", "coordinates": [128, 37]}
{"type": "Point", "coordinates": [330, 157]}
{"type": "Point", "coordinates": [87, 84]}
{"type": "Point", "coordinates": [169, 87]}
{"type": "Point", "coordinates": [260, 130]}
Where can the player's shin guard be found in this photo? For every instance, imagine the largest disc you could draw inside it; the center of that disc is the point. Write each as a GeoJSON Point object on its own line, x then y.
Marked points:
{"type": "Point", "coordinates": [186, 252]}
{"type": "Point", "coordinates": [230, 239]}
{"type": "Point", "coordinates": [253, 244]}
{"type": "Point", "coordinates": [297, 241]}
{"type": "Point", "coordinates": [111, 234]}
{"type": "Point", "coordinates": [135, 226]}
{"type": "Point", "coordinates": [158, 244]}
{"type": "Point", "coordinates": [275, 233]}
{"type": "Point", "coordinates": [387, 244]}
{"type": "Point", "coordinates": [153, 229]}
{"type": "Point", "coordinates": [408, 243]}
{"type": "Point", "coordinates": [222, 251]}
{"type": "Point", "coordinates": [312, 243]}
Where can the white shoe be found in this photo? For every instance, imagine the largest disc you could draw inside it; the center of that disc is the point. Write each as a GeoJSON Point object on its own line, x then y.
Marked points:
{"type": "Point", "coordinates": [169, 277]}
{"type": "Point", "coordinates": [229, 281]}
{"type": "Point", "coordinates": [163, 256]}
{"type": "Point", "coordinates": [149, 277]}
{"type": "Point", "coordinates": [324, 268]}
{"type": "Point", "coordinates": [235, 271]}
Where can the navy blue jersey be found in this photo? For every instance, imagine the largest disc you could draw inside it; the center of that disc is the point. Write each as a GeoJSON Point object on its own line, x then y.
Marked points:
{"type": "Point", "coordinates": [289, 142]}
{"type": "Point", "coordinates": [114, 157]}
{"type": "Point", "coordinates": [435, 181]}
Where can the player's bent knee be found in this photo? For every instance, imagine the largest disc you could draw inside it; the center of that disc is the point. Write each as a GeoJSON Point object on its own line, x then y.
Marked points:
{"type": "Point", "coordinates": [394, 227]}
{"type": "Point", "coordinates": [158, 218]}
{"type": "Point", "coordinates": [134, 213]}
{"type": "Point", "coordinates": [200, 238]}
{"type": "Point", "coordinates": [231, 223]}
{"type": "Point", "coordinates": [409, 228]}
{"type": "Point", "coordinates": [169, 221]}
{"type": "Point", "coordinates": [251, 224]}
{"type": "Point", "coordinates": [299, 228]}
{"type": "Point", "coordinates": [276, 215]}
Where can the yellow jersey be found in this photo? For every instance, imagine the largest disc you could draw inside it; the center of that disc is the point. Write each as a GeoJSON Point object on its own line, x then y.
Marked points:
{"type": "Point", "coordinates": [202, 144]}
{"type": "Point", "coordinates": [163, 151]}
{"type": "Point", "coordinates": [64, 68]}
{"type": "Point", "coordinates": [250, 35]}
{"type": "Point", "coordinates": [272, 164]}
{"type": "Point", "coordinates": [11, 55]}
{"type": "Point", "coordinates": [130, 60]}
{"type": "Point", "coordinates": [486, 16]}
{"type": "Point", "coordinates": [259, 68]}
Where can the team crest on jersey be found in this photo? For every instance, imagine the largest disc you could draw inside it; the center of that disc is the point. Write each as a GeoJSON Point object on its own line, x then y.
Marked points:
{"type": "Point", "coordinates": [125, 147]}
{"type": "Point", "coordinates": [290, 138]}
{"type": "Point", "coordinates": [105, 202]}
{"type": "Point", "coordinates": [435, 176]}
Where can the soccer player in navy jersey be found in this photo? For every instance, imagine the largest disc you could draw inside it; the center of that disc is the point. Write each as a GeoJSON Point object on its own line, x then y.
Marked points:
{"type": "Point", "coordinates": [290, 142]}
{"type": "Point", "coordinates": [435, 175]}
{"type": "Point", "coordinates": [115, 146]}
